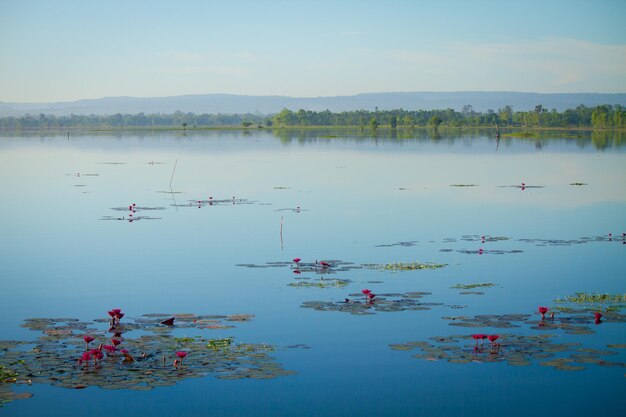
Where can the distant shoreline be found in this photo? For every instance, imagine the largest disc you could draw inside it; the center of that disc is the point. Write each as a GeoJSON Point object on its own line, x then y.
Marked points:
{"type": "Point", "coordinates": [514, 131]}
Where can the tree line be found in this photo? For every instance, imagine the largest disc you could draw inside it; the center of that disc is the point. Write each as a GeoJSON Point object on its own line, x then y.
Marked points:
{"type": "Point", "coordinates": [604, 116]}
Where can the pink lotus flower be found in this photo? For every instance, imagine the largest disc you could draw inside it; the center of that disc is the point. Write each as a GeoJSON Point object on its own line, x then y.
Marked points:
{"type": "Point", "coordinates": [181, 354]}
{"type": "Point", "coordinates": [110, 349]}
{"type": "Point", "coordinates": [85, 357]}
{"type": "Point", "coordinates": [598, 316]}
{"type": "Point", "coordinates": [543, 311]}
{"type": "Point", "coordinates": [88, 339]}
{"type": "Point", "coordinates": [97, 356]}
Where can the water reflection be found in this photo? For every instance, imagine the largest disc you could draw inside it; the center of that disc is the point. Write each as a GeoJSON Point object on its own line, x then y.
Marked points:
{"type": "Point", "coordinates": [599, 139]}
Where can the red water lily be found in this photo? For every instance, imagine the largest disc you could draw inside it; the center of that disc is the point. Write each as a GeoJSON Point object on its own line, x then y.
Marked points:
{"type": "Point", "coordinates": [324, 264]}
{"type": "Point", "coordinates": [181, 354]}
{"type": "Point", "coordinates": [85, 357]}
{"type": "Point", "coordinates": [477, 337]}
{"type": "Point", "coordinates": [492, 338]}
{"type": "Point", "coordinates": [598, 316]}
{"type": "Point", "coordinates": [543, 311]}
{"type": "Point", "coordinates": [110, 349]}
{"type": "Point", "coordinates": [366, 291]}
{"type": "Point", "coordinates": [116, 342]}
{"type": "Point", "coordinates": [88, 339]}
{"type": "Point", "coordinates": [297, 260]}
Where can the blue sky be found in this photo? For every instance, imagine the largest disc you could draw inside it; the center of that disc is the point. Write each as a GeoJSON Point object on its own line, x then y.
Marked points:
{"type": "Point", "coordinates": [66, 50]}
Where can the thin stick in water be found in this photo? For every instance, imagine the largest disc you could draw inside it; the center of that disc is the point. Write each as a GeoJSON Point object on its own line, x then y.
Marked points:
{"type": "Point", "coordinates": [173, 172]}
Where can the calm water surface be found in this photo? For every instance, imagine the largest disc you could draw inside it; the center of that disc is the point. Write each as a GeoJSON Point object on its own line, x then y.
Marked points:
{"type": "Point", "coordinates": [358, 196]}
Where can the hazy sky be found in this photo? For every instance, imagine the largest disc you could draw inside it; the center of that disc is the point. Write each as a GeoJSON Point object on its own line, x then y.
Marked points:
{"type": "Point", "coordinates": [65, 50]}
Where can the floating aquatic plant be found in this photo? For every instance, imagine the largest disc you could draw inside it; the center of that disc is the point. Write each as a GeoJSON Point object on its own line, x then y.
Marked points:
{"type": "Point", "coordinates": [514, 349]}
{"type": "Point", "coordinates": [7, 375]}
{"type": "Point", "coordinates": [463, 185]}
{"type": "Point", "coordinates": [405, 244]}
{"type": "Point", "coordinates": [405, 266]}
{"type": "Point", "coordinates": [472, 286]}
{"type": "Point", "coordinates": [594, 298]}
{"type": "Point", "coordinates": [7, 378]}
{"type": "Point", "coordinates": [321, 283]}
{"type": "Point", "coordinates": [215, 202]}
{"type": "Point", "coordinates": [372, 304]}
{"type": "Point", "coordinates": [59, 356]}
{"type": "Point", "coordinates": [482, 251]}
{"type": "Point", "coordinates": [323, 267]}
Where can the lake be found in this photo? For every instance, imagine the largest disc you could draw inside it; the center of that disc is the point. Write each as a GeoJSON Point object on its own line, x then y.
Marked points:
{"type": "Point", "coordinates": [456, 234]}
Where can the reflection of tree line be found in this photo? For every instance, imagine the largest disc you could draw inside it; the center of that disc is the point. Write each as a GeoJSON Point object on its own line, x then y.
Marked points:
{"type": "Point", "coordinates": [600, 139]}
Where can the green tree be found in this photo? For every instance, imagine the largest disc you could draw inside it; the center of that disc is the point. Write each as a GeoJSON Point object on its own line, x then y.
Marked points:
{"type": "Point", "coordinates": [599, 117]}
{"type": "Point", "coordinates": [505, 115]}
{"type": "Point", "coordinates": [374, 123]}
{"type": "Point", "coordinates": [393, 122]}
{"type": "Point", "coordinates": [538, 110]}
{"type": "Point", "coordinates": [435, 121]}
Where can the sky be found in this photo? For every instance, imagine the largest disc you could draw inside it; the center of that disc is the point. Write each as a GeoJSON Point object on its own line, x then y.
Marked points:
{"type": "Point", "coordinates": [66, 50]}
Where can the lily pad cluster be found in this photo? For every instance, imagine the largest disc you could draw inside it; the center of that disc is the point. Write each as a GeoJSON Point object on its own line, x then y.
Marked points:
{"type": "Point", "coordinates": [470, 288]}
{"type": "Point", "coordinates": [323, 267]}
{"type": "Point", "coordinates": [405, 266]}
{"type": "Point", "coordinates": [320, 283]}
{"type": "Point", "coordinates": [359, 305]}
{"type": "Point", "coordinates": [131, 215]}
{"type": "Point", "coordinates": [493, 239]}
{"type": "Point", "coordinates": [215, 202]}
{"type": "Point", "coordinates": [513, 349]}
{"type": "Point", "coordinates": [61, 355]}
{"type": "Point", "coordinates": [604, 299]}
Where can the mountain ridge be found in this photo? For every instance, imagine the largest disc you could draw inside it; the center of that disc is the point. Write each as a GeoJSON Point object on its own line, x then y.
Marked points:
{"type": "Point", "coordinates": [268, 104]}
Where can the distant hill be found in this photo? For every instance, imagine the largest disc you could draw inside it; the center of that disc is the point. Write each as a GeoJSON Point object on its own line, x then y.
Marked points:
{"type": "Point", "coordinates": [231, 103]}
